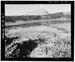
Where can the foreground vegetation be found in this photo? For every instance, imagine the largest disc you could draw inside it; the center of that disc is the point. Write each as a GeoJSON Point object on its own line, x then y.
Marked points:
{"type": "Point", "coordinates": [41, 44]}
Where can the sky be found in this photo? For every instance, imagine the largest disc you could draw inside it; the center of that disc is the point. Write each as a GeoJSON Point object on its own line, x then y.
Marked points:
{"type": "Point", "coordinates": [25, 9]}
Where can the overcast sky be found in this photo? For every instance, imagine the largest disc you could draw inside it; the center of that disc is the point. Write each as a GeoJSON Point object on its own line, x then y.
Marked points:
{"type": "Point", "coordinates": [23, 9]}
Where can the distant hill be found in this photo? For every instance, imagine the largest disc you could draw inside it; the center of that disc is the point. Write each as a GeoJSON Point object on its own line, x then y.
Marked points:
{"type": "Point", "coordinates": [36, 17]}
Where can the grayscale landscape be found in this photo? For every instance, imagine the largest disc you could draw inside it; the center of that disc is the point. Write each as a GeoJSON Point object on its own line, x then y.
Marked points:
{"type": "Point", "coordinates": [38, 34]}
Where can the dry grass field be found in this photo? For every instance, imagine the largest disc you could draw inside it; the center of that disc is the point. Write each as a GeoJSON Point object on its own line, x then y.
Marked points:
{"type": "Point", "coordinates": [48, 39]}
